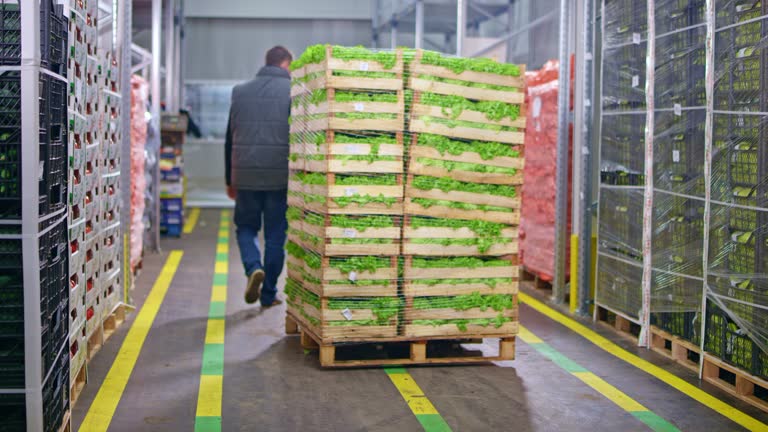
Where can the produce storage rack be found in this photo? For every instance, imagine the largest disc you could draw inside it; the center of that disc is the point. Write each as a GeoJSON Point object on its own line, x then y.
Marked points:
{"type": "Point", "coordinates": [172, 182]}
{"type": "Point", "coordinates": [34, 392]}
{"type": "Point", "coordinates": [694, 258]}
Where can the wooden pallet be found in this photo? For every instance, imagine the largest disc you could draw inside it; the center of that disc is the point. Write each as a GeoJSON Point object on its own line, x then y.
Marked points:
{"type": "Point", "coordinates": [77, 383]}
{"type": "Point", "coordinates": [66, 423]}
{"type": "Point", "coordinates": [417, 350]}
{"type": "Point", "coordinates": [335, 146]}
{"type": "Point", "coordinates": [410, 247]}
{"type": "Point", "coordinates": [675, 348]}
{"type": "Point", "coordinates": [538, 282]}
{"type": "Point", "coordinates": [735, 381]}
{"type": "Point", "coordinates": [417, 167]}
{"type": "Point", "coordinates": [618, 322]}
{"type": "Point", "coordinates": [109, 325]}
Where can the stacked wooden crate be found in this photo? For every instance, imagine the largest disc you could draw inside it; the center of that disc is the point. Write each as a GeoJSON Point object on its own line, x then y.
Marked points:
{"type": "Point", "coordinates": [462, 199]}
{"type": "Point", "coordinates": [346, 197]}
{"type": "Point", "coordinates": [403, 202]}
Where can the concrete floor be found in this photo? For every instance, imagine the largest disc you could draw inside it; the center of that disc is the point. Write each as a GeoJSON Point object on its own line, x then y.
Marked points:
{"type": "Point", "coordinates": [271, 384]}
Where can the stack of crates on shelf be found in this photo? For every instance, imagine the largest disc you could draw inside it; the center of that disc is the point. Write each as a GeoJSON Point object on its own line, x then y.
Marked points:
{"type": "Point", "coordinates": [172, 190]}
{"type": "Point", "coordinates": [622, 147]}
{"type": "Point", "coordinates": [50, 216]}
{"type": "Point", "coordinates": [346, 195]}
{"type": "Point", "coordinates": [738, 260]}
{"type": "Point", "coordinates": [110, 121]}
{"type": "Point", "coordinates": [462, 198]}
{"type": "Point", "coordinates": [678, 171]}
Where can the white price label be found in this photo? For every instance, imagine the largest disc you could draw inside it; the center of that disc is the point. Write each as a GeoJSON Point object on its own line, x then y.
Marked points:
{"type": "Point", "coordinates": [353, 149]}
{"type": "Point", "coordinates": [364, 66]}
{"type": "Point", "coordinates": [676, 156]}
{"type": "Point", "coordinates": [350, 192]}
{"type": "Point", "coordinates": [352, 276]}
{"type": "Point", "coordinates": [350, 233]}
{"type": "Point", "coordinates": [42, 171]}
{"type": "Point", "coordinates": [359, 106]}
{"type": "Point", "coordinates": [78, 88]}
{"type": "Point", "coordinates": [635, 80]}
{"type": "Point", "coordinates": [636, 38]}
{"type": "Point", "coordinates": [678, 109]}
{"type": "Point", "coordinates": [347, 314]}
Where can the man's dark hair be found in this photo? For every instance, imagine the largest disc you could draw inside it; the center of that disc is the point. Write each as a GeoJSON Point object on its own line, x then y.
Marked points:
{"type": "Point", "coordinates": [277, 55]}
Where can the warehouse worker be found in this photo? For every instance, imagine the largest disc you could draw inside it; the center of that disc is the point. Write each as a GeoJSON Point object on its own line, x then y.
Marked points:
{"type": "Point", "coordinates": [256, 155]}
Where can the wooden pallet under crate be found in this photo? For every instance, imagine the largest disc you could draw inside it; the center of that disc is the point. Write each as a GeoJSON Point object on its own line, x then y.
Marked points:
{"type": "Point", "coordinates": [414, 351]}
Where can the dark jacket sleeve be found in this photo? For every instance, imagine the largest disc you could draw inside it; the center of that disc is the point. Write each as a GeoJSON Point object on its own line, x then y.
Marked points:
{"type": "Point", "coordinates": [228, 152]}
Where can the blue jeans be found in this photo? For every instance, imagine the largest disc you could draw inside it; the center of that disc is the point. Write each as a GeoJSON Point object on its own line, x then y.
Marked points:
{"type": "Point", "coordinates": [250, 206]}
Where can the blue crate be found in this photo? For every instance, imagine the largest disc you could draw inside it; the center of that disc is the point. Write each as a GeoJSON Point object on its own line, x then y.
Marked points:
{"type": "Point", "coordinates": [171, 217]}
{"type": "Point", "coordinates": [173, 174]}
{"type": "Point", "coordinates": [171, 204]}
{"type": "Point", "coordinates": [173, 230]}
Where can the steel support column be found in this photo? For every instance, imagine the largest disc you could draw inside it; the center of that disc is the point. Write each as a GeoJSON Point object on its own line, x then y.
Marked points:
{"type": "Point", "coordinates": [561, 197]}
{"type": "Point", "coordinates": [461, 25]}
{"type": "Point", "coordinates": [419, 32]}
{"type": "Point", "coordinates": [157, 27]}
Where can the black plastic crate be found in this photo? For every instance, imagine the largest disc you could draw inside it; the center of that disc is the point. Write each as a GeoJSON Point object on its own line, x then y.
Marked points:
{"type": "Point", "coordinates": [680, 68]}
{"type": "Point", "coordinates": [623, 149]}
{"type": "Point", "coordinates": [726, 341]}
{"type": "Point", "coordinates": [621, 222]}
{"type": "Point", "coordinates": [624, 70]}
{"type": "Point", "coordinates": [53, 35]}
{"type": "Point", "coordinates": [679, 152]}
{"type": "Point", "coordinates": [686, 325]}
{"type": "Point", "coordinates": [624, 21]}
{"type": "Point", "coordinates": [620, 286]}
{"type": "Point", "coordinates": [56, 394]}
{"type": "Point", "coordinates": [13, 407]}
{"type": "Point", "coordinates": [672, 15]}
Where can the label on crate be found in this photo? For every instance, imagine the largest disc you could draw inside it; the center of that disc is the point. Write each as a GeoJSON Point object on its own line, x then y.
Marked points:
{"type": "Point", "coordinates": [635, 80]}
{"type": "Point", "coordinates": [347, 314]}
{"type": "Point", "coordinates": [678, 110]}
{"type": "Point", "coordinates": [359, 106]}
{"type": "Point", "coordinates": [350, 233]}
{"type": "Point", "coordinates": [636, 38]}
{"type": "Point", "coordinates": [364, 66]}
{"type": "Point", "coordinates": [676, 156]}
{"type": "Point", "coordinates": [353, 149]}
{"type": "Point", "coordinates": [350, 192]}
{"type": "Point", "coordinates": [352, 276]}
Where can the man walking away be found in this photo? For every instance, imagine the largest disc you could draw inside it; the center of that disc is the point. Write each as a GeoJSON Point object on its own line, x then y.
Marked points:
{"type": "Point", "coordinates": [256, 154]}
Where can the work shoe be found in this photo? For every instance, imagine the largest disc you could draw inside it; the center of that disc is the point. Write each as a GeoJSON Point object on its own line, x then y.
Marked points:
{"type": "Point", "coordinates": [253, 291]}
{"type": "Point", "coordinates": [276, 302]}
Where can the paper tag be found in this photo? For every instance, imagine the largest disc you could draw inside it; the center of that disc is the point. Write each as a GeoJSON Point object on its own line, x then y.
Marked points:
{"type": "Point", "coordinates": [353, 149]}
{"type": "Point", "coordinates": [588, 56]}
{"type": "Point", "coordinates": [352, 276]}
{"type": "Point", "coordinates": [635, 80]}
{"type": "Point", "coordinates": [678, 109]}
{"type": "Point", "coordinates": [350, 233]}
{"type": "Point", "coordinates": [350, 192]}
{"type": "Point", "coordinates": [636, 38]}
{"type": "Point", "coordinates": [536, 107]}
{"type": "Point", "coordinates": [676, 156]}
{"type": "Point", "coordinates": [347, 314]}
{"type": "Point", "coordinates": [364, 66]}
{"type": "Point", "coordinates": [359, 106]}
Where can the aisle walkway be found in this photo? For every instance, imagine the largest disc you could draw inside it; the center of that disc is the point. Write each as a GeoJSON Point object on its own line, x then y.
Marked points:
{"type": "Point", "coordinates": [559, 381]}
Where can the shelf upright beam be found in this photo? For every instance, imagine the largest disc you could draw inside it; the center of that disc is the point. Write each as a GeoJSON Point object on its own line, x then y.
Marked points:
{"type": "Point", "coordinates": [30, 217]}
{"type": "Point", "coordinates": [461, 25]}
{"type": "Point", "coordinates": [419, 32]}
{"type": "Point", "coordinates": [125, 54]}
{"type": "Point", "coordinates": [561, 194]}
{"type": "Point", "coordinates": [583, 154]}
{"type": "Point", "coordinates": [157, 28]}
{"type": "Point", "coordinates": [393, 35]}
{"type": "Point", "coordinates": [170, 57]}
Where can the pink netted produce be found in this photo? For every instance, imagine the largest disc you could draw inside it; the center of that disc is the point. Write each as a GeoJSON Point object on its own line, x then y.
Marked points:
{"type": "Point", "coordinates": [139, 99]}
{"type": "Point", "coordinates": [537, 224]}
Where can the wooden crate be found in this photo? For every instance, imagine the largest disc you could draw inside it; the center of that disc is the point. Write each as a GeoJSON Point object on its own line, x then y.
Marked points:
{"type": "Point", "coordinates": [332, 190]}
{"type": "Point", "coordinates": [413, 208]}
{"type": "Point", "coordinates": [327, 234]}
{"type": "Point", "coordinates": [331, 64]}
{"type": "Point", "coordinates": [413, 287]}
{"type": "Point", "coordinates": [415, 167]}
{"type": "Point", "coordinates": [335, 146]}
{"type": "Point", "coordinates": [412, 248]}
{"type": "Point", "coordinates": [508, 137]}
{"type": "Point", "coordinates": [320, 321]}
{"type": "Point", "coordinates": [331, 121]}
{"type": "Point", "coordinates": [344, 286]}
{"type": "Point", "coordinates": [418, 68]}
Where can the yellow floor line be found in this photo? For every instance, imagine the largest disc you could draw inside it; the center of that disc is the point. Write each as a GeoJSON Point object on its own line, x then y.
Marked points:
{"type": "Point", "coordinates": [191, 223]}
{"type": "Point", "coordinates": [676, 382]}
{"type": "Point", "coordinates": [104, 405]}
